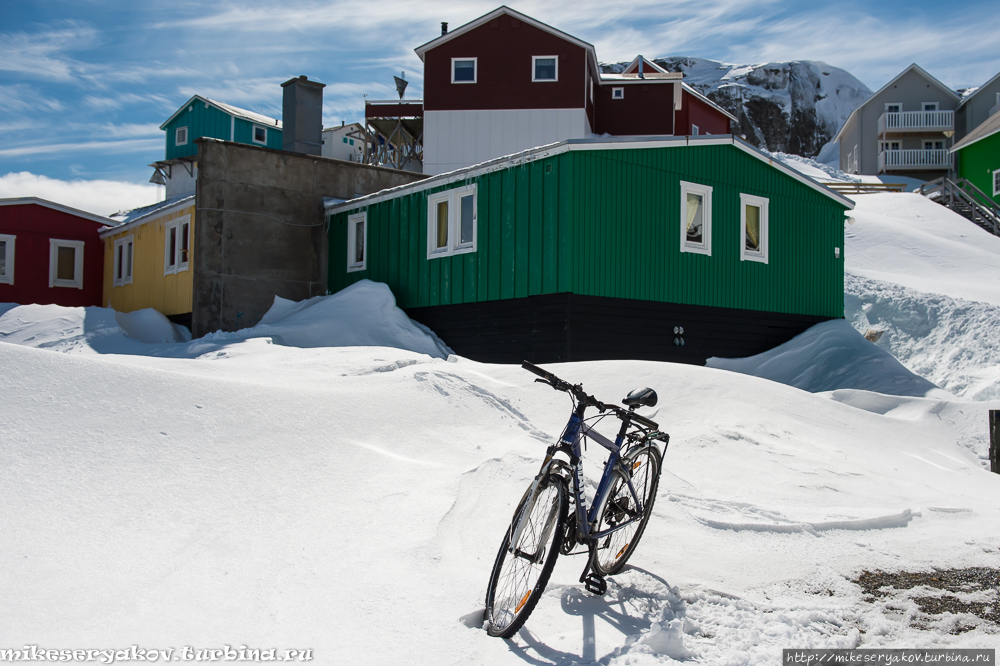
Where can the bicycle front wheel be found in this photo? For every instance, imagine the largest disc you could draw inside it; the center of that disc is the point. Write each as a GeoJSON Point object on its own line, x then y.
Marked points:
{"type": "Point", "coordinates": [522, 571]}
{"type": "Point", "coordinates": [643, 466]}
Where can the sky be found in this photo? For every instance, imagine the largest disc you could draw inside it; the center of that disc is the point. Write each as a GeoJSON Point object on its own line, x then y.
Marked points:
{"type": "Point", "coordinates": [85, 84]}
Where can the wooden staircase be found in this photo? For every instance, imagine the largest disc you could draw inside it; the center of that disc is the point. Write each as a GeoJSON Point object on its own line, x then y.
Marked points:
{"type": "Point", "coordinates": [965, 199]}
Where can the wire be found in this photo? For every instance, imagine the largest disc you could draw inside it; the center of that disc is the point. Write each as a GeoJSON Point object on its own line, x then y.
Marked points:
{"type": "Point", "coordinates": [246, 212]}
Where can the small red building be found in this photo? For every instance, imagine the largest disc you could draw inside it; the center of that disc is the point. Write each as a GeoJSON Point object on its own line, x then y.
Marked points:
{"type": "Point", "coordinates": [50, 253]}
{"type": "Point", "coordinates": [506, 82]}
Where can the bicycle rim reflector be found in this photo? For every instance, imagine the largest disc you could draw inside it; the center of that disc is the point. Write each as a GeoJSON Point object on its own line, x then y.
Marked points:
{"type": "Point", "coordinates": [624, 548]}
{"type": "Point", "coordinates": [636, 465]}
{"type": "Point", "coordinates": [523, 601]}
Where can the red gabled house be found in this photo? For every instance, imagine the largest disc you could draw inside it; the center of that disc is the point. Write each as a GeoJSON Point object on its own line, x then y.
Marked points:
{"type": "Point", "coordinates": [506, 82]}
{"type": "Point", "coordinates": [50, 253]}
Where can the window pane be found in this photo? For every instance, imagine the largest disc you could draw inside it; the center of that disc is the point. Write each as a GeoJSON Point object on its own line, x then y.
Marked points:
{"type": "Point", "coordinates": [545, 69]}
{"type": "Point", "coordinates": [3, 258]}
{"type": "Point", "coordinates": [185, 241]}
{"type": "Point", "coordinates": [359, 242]}
{"type": "Point", "coordinates": [66, 263]}
{"type": "Point", "coordinates": [172, 246]}
{"type": "Point", "coordinates": [753, 228]}
{"type": "Point", "coordinates": [128, 260]}
{"type": "Point", "coordinates": [119, 263]}
{"type": "Point", "coordinates": [467, 219]}
{"type": "Point", "coordinates": [695, 215]}
{"type": "Point", "coordinates": [465, 70]}
{"type": "Point", "coordinates": [442, 224]}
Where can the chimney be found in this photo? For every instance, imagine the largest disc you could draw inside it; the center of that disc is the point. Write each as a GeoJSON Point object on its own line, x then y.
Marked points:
{"type": "Point", "coordinates": [444, 27]}
{"type": "Point", "coordinates": [302, 113]}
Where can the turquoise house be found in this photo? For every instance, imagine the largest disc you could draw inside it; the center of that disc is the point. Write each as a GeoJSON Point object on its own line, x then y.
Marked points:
{"type": "Point", "coordinates": [200, 117]}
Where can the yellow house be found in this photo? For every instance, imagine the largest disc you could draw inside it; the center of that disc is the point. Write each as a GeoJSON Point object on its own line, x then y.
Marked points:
{"type": "Point", "coordinates": [148, 260]}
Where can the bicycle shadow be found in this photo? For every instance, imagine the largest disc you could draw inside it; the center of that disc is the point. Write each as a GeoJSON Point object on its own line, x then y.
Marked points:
{"type": "Point", "coordinates": [626, 609]}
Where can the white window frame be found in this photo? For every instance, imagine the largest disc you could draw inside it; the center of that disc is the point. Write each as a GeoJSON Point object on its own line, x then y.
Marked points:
{"type": "Point", "coordinates": [354, 266]}
{"type": "Point", "coordinates": [887, 145]}
{"type": "Point", "coordinates": [126, 245]}
{"type": "Point", "coordinates": [178, 133]}
{"type": "Point", "coordinates": [695, 130]}
{"type": "Point", "coordinates": [764, 205]}
{"type": "Point", "coordinates": [253, 135]}
{"type": "Point", "coordinates": [897, 104]}
{"type": "Point", "coordinates": [77, 281]}
{"type": "Point", "coordinates": [453, 244]}
{"type": "Point", "coordinates": [179, 266]}
{"type": "Point", "coordinates": [475, 69]}
{"type": "Point", "coordinates": [8, 272]}
{"type": "Point", "coordinates": [926, 104]}
{"type": "Point", "coordinates": [996, 182]}
{"type": "Point", "coordinates": [618, 93]}
{"type": "Point", "coordinates": [534, 70]}
{"type": "Point", "coordinates": [932, 142]}
{"type": "Point", "coordinates": [705, 247]}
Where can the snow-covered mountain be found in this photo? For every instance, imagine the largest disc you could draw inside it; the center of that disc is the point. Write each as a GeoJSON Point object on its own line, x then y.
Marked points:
{"type": "Point", "coordinates": [791, 107]}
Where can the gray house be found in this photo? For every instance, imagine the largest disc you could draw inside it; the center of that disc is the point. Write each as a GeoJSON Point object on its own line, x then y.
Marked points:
{"type": "Point", "coordinates": [903, 129]}
{"type": "Point", "coordinates": [976, 107]}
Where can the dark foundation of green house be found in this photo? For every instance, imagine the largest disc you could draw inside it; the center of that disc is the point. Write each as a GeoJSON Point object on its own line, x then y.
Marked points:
{"type": "Point", "coordinates": [581, 251]}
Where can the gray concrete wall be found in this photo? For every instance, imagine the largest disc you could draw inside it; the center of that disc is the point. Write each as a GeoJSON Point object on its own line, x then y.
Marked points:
{"type": "Point", "coordinates": [259, 227]}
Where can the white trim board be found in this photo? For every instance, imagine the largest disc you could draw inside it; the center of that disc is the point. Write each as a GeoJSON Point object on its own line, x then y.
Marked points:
{"type": "Point", "coordinates": [553, 149]}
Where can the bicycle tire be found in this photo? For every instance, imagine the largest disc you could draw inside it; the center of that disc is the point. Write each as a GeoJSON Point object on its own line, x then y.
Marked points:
{"type": "Point", "coordinates": [644, 463]}
{"type": "Point", "coordinates": [517, 582]}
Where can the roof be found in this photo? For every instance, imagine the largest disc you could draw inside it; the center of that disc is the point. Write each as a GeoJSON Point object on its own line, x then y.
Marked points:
{"type": "Point", "coordinates": [988, 127]}
{"type": "Point", "coordinates": [134, 218]}
{"type": "Point", "coordinates": [597, 143]}
{"type": "Point", "coordinates": [920, 70]}
{"type": "Point", "coordinates": [635, 63]}
{"type": "Point", "coordinates": [709, 102]}
{"type": "Point", "coordinates": [496, 13]}
{"type": "Point", "coordinates": [21, 201]}
{"type": "Point", "coordinates": [978, 90]}
{"type": "Point", "coordinates": [229, 109]}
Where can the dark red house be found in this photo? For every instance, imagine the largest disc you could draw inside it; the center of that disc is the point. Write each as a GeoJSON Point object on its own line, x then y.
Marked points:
{"type": "Point", "coordinates": [505, 82]}
{"type": "Point", "coordinates": [50, 253]}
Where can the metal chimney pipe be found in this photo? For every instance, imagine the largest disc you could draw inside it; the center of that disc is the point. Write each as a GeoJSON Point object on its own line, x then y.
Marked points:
{"type": "Point", "coordinates": [444, 27]}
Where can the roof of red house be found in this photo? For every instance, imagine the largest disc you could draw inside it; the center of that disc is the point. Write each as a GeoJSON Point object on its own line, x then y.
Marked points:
{"type": "Point", "coordinates": [21, 201]}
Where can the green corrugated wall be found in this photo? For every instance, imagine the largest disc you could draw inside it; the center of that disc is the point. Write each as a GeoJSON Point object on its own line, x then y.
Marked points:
{"type": "Point", "coordinates": [978, 161]}
{"type": "Point", "coordinates": [606, 223]}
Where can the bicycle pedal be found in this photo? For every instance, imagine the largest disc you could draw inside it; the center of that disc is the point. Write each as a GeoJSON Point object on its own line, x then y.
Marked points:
{"type": "Point", "coordinates": [595, 584]}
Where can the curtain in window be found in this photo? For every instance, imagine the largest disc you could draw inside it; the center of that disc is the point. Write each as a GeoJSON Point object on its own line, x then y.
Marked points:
{"type": "Point", "coordinates": [753, 228]}
{"type": "Point", "coordinates": [442, 224]}
{"type": "Point", "coordinates": [694, 217]}
{"type": "Point", "coordinates": [66, 263]}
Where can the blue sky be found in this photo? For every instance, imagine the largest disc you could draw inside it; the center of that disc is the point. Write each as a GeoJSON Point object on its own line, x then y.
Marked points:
{"type": "Point", "coordinates": [84, 84]}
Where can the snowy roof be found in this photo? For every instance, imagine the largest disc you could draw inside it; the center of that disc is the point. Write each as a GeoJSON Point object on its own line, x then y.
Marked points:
{"type": "Point", "coordinates": [141, 215]}
{"type": "Point", "coordinates": [496, 13]}
{"type": "Point", "coordinates": [972, 92]}
{"type": "Point", "coordinates": [21, 201]}
{"type": "Point", "coordinates": [253, 117]}
{"type": "Point", "coordinates": [596, 143]}
{"type": "Point", "coordinates": [988, 127]}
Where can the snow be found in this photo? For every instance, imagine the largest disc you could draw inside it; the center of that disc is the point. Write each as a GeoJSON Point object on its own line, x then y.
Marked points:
{"type": "Point", "coordinates": [333, 479]}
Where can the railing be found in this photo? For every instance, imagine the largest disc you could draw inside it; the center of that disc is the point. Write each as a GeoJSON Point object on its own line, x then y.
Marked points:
{"type": "Point", "coordinates": [916, 121]}
{"type": "Point", "coordinates": [862, 188]}
{"type": "Point", "coordinates": [966, 199]}
{"type": "Point", "coordinates": [937, 158]}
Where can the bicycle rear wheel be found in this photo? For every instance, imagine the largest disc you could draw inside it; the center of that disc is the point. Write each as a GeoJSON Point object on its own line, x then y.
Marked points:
{"type": "Point", "coordinates": [643, 465]}
{"type": "Point", "coordinates": [521, 573]}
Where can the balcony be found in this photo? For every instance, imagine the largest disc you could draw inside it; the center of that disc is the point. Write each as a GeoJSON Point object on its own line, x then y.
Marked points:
{"type": "Point", "coordinates": [916, 122]}
{"type": "Point", "coordinates": [914, 160]}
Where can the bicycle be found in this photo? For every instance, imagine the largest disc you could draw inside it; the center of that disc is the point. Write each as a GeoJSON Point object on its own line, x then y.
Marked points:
{"type": "Point", "coordinates": [544, 524]}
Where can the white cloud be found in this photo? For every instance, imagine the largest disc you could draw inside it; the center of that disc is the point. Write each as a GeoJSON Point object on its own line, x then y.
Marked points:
{"type": "Point", "coordinates": [100, 197]}
{"type": "Point", "coordinates": [42, 53]}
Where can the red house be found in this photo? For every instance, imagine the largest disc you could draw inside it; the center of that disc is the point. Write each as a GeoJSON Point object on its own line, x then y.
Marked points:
{"type": "Point", "coordinates": [505, 82]}
{"type": "Point", "coordinates": [50, 253]}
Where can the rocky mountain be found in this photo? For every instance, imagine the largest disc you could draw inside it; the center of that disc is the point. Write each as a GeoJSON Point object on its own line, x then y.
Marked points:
{"type": "Point", "coordinates": [790, 107]}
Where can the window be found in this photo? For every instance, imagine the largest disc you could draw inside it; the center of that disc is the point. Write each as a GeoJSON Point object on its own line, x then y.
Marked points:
{"type": "Point", "coordinates": [893, 107]}
{"type": "Point", "coordinates": [65, 263]}
{"type": "Point", "coordinates": [463, 70]}
{"type": "Point", "coordinates": [6, 259]}
{"type": "Point", "coordinates": [357, 242]}
{"type": "Point", "coordinates": [180, 136]}
{"type": "Point", "coordinates": [694, 130]}
{"type": "Point", "coordinates": [451, 222]}
{"type": "Point", "coordinates": [996, 192]}
{"type": "Point", "coordinates": [933, 145]}
{"type": "Point", "coordinates": [696, 218]}
{"type": "Point", "coordinates": [123, 262]}
{"type": "Point", "coordinates": [929, 106]}
{"type": "Point", "coordinates": [888, 145]}
{"type": "Point", "coordinates": [177, 244]}
{"type": "Point", "coordinates": [544, 68]}
{"type": "Point", "coordinates": [617, 93]}
{"type": "Point", "coordinates": [753, 228]}
{"type": "Point", "coordinates": [259, 134]}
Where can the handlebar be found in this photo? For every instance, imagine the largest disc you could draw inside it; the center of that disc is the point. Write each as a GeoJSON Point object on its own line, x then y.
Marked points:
{"type": "Point", "coordinates": [588, 400]}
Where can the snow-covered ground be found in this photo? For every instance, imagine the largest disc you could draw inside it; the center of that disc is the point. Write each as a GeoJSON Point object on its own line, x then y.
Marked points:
{"type": "Point", "coordinates": [269, 489]}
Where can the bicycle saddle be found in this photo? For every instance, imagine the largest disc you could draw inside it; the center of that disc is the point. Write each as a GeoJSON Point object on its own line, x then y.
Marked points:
{"type": "Point", "coordinates": [645, 397]}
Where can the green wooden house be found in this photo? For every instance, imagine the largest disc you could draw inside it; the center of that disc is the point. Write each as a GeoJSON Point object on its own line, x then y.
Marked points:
{"type": "Point", "coordinates": [979, 157]}
{"type": "Point", "coordinates": [672, 248]}
{"type": "Point", "coordinates": [205, 117]}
